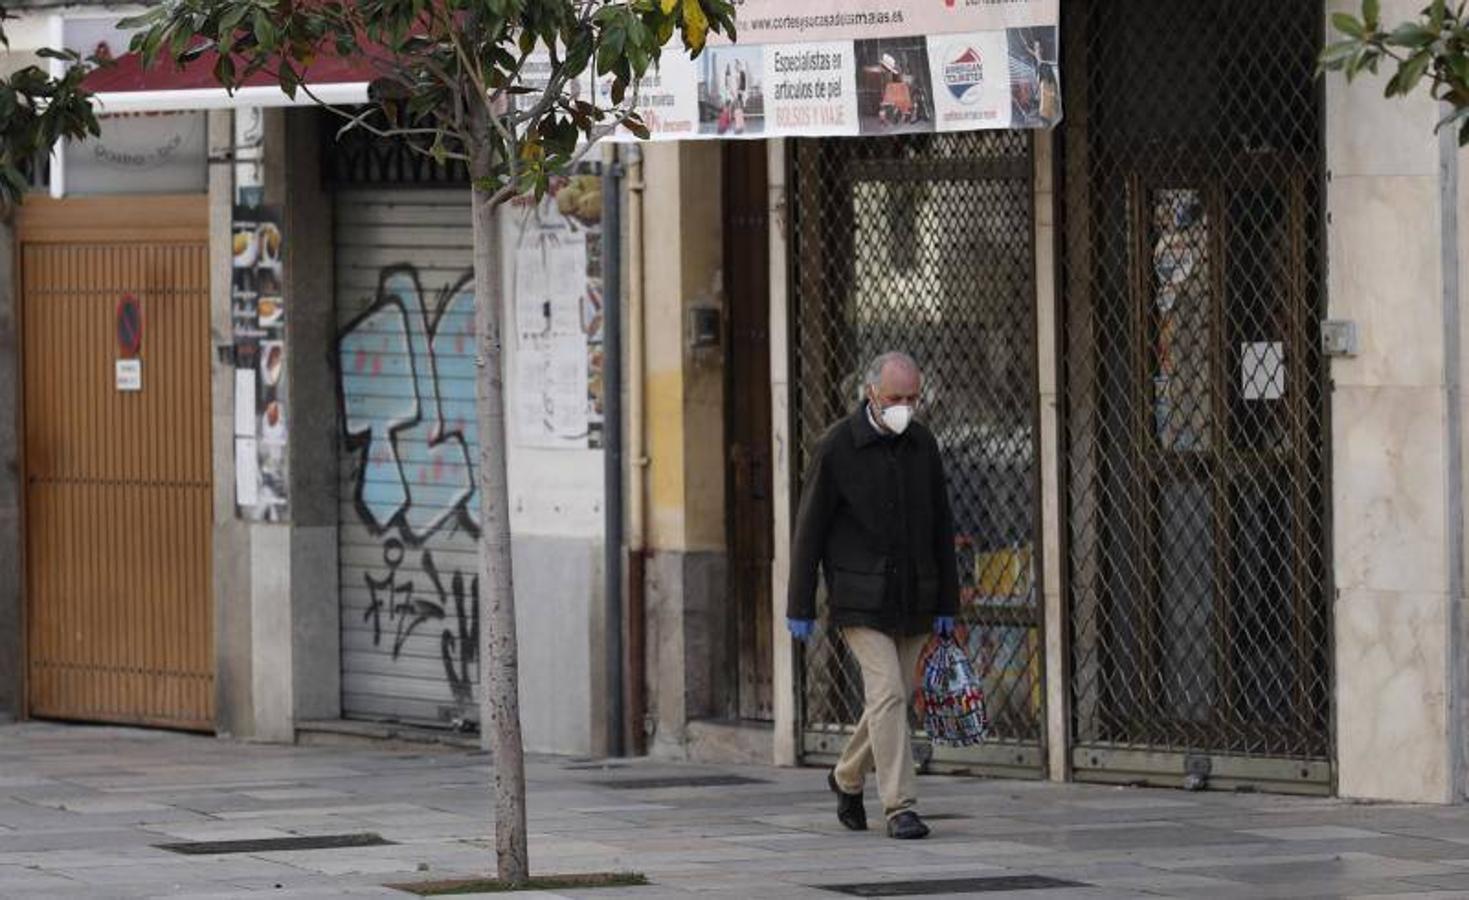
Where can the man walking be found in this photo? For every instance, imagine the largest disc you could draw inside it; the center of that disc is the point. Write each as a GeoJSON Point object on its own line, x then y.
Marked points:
{"type": "Point", "coordinates": [875, 519]}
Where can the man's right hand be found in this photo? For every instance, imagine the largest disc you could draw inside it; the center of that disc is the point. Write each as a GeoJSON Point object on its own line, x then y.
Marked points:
{"type": "Point", "coordinates": [801, 629]}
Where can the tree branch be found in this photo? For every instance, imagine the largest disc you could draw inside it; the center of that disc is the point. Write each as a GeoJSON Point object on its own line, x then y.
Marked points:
{"type": "Point", "coordinates": [359, 120]}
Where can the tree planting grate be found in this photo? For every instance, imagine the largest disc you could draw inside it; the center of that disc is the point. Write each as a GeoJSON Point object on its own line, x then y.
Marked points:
{"type": "Point", "coordinates": [265, 845]}
{"type": "Point", "coordinates": [950, 886]}
{"type": "Point", "coordinates": [628, 784]}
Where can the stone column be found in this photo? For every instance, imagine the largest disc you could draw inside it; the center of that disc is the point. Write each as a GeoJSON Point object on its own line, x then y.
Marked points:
{"type": "Point", "coordinates": [277, 631]}
{"type": "Point", "coordinates": [1392, 465]}
{"type": "Point", "coordinates": [686, 577]}
{"type": "Point", "coordinates": [1052, 523]}
{"type": "Point", "coordinates": [233, 662]}
{"type": "Point", "coordinates": [787, 748]}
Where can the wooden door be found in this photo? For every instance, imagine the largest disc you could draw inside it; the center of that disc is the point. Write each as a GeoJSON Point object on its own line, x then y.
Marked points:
{"type": "Point", "coordinates": [747, 286]}
{"type": "Point", "coordinates": [117, 483]}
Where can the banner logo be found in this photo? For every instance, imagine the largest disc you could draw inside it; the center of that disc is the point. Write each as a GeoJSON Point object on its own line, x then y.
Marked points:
{"type": "Point", "coordinates": [964, 73]}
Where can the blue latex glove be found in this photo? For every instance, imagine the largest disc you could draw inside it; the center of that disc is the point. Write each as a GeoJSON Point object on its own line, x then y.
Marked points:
{"type": "Point", "coordinates": [801, 629]}
{"type": "Point", "coordinates": [943, 626]}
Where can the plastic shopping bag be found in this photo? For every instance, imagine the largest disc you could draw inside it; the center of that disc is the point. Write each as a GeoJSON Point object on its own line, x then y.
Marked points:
{"type": "Point", "coordinates": [953, 699]}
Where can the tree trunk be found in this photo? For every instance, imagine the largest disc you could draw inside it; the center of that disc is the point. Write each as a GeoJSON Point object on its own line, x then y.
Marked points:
{"type": "Point", "coordinates": [498, 651]}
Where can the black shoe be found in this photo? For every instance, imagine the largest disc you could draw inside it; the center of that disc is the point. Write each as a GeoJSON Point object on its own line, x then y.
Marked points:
{"type": "Point", "coordinates": [850, 811]}
{"type": "Point", "coordinates": [906, 826]}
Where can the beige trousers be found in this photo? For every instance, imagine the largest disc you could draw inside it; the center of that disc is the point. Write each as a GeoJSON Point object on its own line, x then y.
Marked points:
{"type": "Point", "coordinates": [882, 742]}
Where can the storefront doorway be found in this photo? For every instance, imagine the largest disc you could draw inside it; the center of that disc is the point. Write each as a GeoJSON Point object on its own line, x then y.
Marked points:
{"type": "Point", "coordinates": [751, 526]}
{"type": "Point", "coordinates": [926, 244]}
{"type": "Point", "coordinates": [117, 460]}
{"type": "Point", "coordinates": [1195, 454]}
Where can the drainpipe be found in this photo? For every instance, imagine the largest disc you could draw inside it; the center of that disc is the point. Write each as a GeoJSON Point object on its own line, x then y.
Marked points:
{"type": "Point", "coordinates": [637, 539]}
{"type": "Point", "coordinates": [612, 443]}
{"type": "Point", "coordinates": [1448, 185]}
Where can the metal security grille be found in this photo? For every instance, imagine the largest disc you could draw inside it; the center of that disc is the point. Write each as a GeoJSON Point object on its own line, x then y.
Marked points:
{"type": "Point", "coordinates": [358, 158]}
{"type": "Point", "coordinates": [925, 244]}
{"type": "Point", "coordinates": [1195, 455]}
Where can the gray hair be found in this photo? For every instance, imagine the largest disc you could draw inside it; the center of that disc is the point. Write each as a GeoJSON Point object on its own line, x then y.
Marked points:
{"type": "Point", "coordinates": [874, 368]}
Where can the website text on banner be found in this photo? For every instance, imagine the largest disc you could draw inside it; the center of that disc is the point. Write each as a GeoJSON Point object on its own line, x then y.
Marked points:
{"type": "Point", "coordinates": [901, 66]}
{"type": "Point", "coordinates": [780, 21]}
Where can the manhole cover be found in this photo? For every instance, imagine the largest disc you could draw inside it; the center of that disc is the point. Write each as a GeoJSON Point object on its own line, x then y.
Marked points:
{"type": "Point", "coordinates": [628, 784]}
{"type": "Point", "coordinates": [265, 845]}
{"type": "Point", "coordinates": [949, 886]}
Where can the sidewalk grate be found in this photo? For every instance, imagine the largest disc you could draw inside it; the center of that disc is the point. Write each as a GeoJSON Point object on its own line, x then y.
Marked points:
{"type": "Point", "coordinates": [628, 784]}
{"type": "Point", "coordinates": [265, 845]}
{"type": "Point", "coordinates": [949, 886]}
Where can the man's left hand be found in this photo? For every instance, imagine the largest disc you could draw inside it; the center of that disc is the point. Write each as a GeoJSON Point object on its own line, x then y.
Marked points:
{"type": "Point", "coordinates": [943, 626]}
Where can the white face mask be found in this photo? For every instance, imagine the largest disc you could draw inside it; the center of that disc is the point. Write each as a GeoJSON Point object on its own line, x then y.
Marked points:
{"type": "Point", "coordinates": [896, 418]}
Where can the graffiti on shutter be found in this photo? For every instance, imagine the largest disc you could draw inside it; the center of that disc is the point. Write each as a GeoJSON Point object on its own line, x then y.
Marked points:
{"type": "Point", "coordinates": [410, 505]}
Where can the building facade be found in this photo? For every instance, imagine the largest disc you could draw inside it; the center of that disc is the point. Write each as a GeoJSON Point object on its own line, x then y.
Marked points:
{"type": "Point", "coordinates": [1193, 357]}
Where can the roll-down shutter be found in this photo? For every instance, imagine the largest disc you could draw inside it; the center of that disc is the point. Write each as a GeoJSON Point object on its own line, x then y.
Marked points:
{"type": "Point", "coordinates": [409, 511]}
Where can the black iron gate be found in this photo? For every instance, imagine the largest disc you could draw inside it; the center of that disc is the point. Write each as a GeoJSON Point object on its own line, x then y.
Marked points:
{"type": "Point", "coordinates": [926, 244]}
{"type": "Point", "coordinates": [1196, 475]}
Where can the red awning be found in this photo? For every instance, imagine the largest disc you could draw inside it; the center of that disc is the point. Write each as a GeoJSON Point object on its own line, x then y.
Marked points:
{"type": "Point", "coordinates": [126, 86]}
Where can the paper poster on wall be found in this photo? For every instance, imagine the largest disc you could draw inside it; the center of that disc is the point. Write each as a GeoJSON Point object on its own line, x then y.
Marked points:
{"type": "Point", "coordinates": [258, 317]}
{"type": "Point", "coordinates": [244, 402]}
{"type": "Point", "coordinates": [557, 302]}
{"type": "Point", "coordinates": [1262, 370]}
{"type": "Point", "coordinates": [247, 472]}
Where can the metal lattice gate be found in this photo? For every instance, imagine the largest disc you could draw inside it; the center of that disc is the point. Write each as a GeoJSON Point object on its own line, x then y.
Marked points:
{"type": "Point", "coordinates": [926, 244]}
{"type": "Point", "coordinates": [1196, 465]}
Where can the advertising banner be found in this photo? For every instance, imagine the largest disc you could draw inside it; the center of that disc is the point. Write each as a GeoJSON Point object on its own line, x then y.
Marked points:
{"type": "Point", "coordinates": [784, 21]}
{"type": "Point", "coordinates": [861, 67]}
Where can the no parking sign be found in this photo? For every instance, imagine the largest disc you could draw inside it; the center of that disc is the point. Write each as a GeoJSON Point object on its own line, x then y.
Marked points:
{"type": "Point", "coordinates": [129, 369]}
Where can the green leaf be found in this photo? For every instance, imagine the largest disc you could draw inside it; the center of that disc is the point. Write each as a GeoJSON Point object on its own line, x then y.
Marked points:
{"type": "Point", "coordinates": [606, 59]}
{"type": "Point", "coordinates": [1436, 14]}
{"type": "Point", "coordinates": [265, 31]}
{"type": "Point", "coordinates": [1335, 55]}
{"type": "Point", "coordinates": [668, 6]}
{"type": "Point", "coordinates": [142, 20]}
{"type": "Point", "coordinates": [1411, 35]}
{"type": "Point", "coordinates": [578, 54]}
{"type": "Point", "coordinates": [1346, 23]}
{"type": "Point", "coordinates": [233, 19]}
{"type": "Point", "coordinates": [289, 80]}
{"type": "Point", "coordinates": [1371, 13]}
{"type": "Point", "coordinates": [1411, 72]}
{"type": "Point", "coordinates": [1458, 69]}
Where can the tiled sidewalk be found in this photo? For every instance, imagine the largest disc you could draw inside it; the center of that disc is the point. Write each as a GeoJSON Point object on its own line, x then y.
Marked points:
{"type": "Point", "coordinates": [82, 810]}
